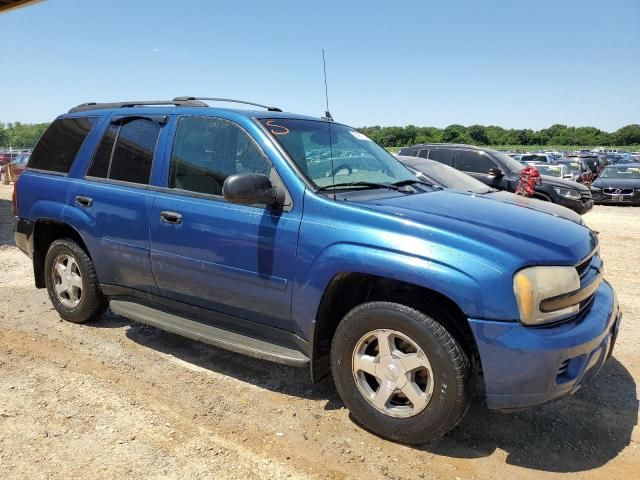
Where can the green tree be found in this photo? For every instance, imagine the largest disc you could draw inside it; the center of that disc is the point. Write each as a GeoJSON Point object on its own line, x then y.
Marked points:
{"type": "Point", "coordinates": [456, 134]}
{"type": "Point", "coordinates": [628, 135]}
{"type": "Point", "coordinates": [478, 134]}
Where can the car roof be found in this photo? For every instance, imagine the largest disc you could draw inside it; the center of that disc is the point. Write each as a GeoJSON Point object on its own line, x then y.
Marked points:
{"type": "Point", "coordinates": [203, 111]}
{"type": "Point", "coordinates": [447, 145]}
{"type": "Point", "coordinates": [184, 105]}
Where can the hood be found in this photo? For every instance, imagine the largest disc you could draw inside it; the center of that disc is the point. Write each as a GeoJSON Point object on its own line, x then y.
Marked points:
{"type": "Point", "coordinates": [616, 182]}
{"type": "Point", "coordinates": [560, 182]}
{"type": "Point", "coordinates": [523, 229]}
{"type": "Point", "coordinates": [538, 205]}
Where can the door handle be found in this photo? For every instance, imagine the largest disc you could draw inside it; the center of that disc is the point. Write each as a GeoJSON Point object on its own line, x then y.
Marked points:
{"type": "Point", "coordinates": [84, 201]}
{"type": "Point", "coordinates": [171, 217]}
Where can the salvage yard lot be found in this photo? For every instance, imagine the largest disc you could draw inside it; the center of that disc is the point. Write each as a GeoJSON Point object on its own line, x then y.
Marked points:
{"type": "Point", "coordinates": [116, 398]}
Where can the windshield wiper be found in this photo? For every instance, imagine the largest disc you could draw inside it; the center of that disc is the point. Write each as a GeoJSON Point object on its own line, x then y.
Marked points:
{"type": "Point", "coordinates": [411, 181]}
{"type": "Point", "coordinates": [390, 186]}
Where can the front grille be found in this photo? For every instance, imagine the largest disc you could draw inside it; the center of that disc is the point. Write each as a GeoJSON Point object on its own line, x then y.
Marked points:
{"type": "Point", "coordinates": [618, 191]}
{"type": "Point", "coordinates": [584, 265]}
{"type": "Point", "coordinates": [563, 368]}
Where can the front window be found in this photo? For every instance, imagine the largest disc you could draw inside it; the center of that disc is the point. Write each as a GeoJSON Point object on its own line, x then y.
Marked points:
{"type": "Point", "coordinates": [331, 154]}
{"type": "Point", "coordinates": [573, 167]}
{"type": "Point", "coordinates": [632, 172]}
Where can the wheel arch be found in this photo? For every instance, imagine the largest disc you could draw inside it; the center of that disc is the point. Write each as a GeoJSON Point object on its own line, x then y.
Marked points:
{"type": "Point", "coordinates": [45, 232]}
{"type": "Point", "coordinates": [346, 290]}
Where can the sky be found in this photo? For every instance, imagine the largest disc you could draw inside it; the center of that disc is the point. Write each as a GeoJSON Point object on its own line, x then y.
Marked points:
{"type": "Point", "coordinates": [513, 63]}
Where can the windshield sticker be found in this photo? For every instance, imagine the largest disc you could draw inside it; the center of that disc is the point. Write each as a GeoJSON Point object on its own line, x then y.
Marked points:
{"type": "Point", "coordinates": [276, 129]}
{"type": "Point", "coordinates": [359, 136]}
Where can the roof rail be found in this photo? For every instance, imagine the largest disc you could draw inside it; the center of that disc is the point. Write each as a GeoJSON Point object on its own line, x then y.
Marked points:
{"type": "Point", "coordinates": [178, 102]}
{"type": "Point", "coordinates": [213, 99]}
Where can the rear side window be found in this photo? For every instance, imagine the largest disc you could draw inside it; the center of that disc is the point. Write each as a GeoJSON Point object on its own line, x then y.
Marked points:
{"type": "Point", "coordinates": [126, 151]}
{"type": "Point", "coordinates": [442, 156]}
{"type": "Point", "coordinates": [60, 143]}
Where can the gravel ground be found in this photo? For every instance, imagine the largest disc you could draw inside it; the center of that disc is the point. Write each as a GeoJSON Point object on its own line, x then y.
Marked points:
{"type": "Point", "coordinates": [117, 399]}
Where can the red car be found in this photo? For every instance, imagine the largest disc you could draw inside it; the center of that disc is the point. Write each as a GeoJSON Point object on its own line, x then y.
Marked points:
{"type": "Point", "coordinates": [11, 171]}
{"type": "Point", "coordinates": [6, 157]}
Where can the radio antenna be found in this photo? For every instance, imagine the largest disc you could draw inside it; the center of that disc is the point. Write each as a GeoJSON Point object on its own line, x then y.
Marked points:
{"type": "Point", "coordinates": [327, 114]}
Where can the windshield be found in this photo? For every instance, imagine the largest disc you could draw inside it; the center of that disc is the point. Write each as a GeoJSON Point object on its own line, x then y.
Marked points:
{"type": "Point", "coordinates": [347, 156]}
{"type": "Point", "coordinates": [574, 167]}
{"type": "Point", "coordinates": [551, 170]}
{"type": "Point", "coordinates": [508, 162]}
{"type": "Point", "coordinates": [632, 172]}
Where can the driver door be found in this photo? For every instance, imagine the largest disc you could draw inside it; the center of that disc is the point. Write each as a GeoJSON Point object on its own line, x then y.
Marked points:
{"type": "Point", "coordinates": [234, 259]}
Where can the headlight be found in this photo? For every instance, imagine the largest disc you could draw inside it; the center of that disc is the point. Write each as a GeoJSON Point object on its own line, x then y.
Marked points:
{"type": "Point", "coordinates": [567, 193]}
{"type": "Point", "coordinates": [596, 189]}
{"type": "Point", "coordinates": [534, 284]}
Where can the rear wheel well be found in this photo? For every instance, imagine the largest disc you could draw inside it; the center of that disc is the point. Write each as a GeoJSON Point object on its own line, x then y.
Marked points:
{"type": "Point", "coordinates": [44, 234]}
{"type": "Point", "coordinates": [348, 290]}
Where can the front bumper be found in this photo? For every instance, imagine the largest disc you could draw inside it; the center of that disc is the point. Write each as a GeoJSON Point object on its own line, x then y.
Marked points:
{"type": "Point", "coordinates": [581, 206]}
{"type": "Point", "coordinates": [524, 366]}
{"type": "Point", "coordinates": [602, 198]}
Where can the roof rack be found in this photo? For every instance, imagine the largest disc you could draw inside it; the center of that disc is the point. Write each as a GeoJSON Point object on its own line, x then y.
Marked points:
{"type": "Point", "coordinates": [101, 106]}
{"type": "Point", "coordinates": [213, 99]}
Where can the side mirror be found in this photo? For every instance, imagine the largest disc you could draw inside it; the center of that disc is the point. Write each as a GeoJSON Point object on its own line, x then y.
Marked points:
{"type": "Point", "coordinates": [249, 189]}
{"type": "Point", "coordinates": [496, 172]}
{"type": "Point", "coordinates": [567, 175]}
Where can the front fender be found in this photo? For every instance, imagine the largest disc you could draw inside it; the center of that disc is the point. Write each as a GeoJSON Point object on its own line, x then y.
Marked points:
{"type": "Point", "coordinates": [448, 280]}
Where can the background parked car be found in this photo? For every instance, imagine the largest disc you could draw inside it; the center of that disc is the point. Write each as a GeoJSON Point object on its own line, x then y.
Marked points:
{"type": "Point", "coordinates": [11, 171]}
{"type": "Point", "coordinates": [553, 170]}
{"type": "Point", "coordinates": [618, 184]}
{"type": "Point", "coordinates": [595, 163]}
{"type": "Point", "coordinates": [6, 157]}
{"type": "Point", "coordinates": [502, 172]}
{"type": "Point", "coordinates": [531, 158]}
{"type": "Point", "coordinates": [578, 169]}
{"type": "Point", "coordinates": [445, 176]}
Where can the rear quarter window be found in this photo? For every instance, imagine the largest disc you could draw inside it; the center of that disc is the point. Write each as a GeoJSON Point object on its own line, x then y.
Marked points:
{"type": "Point", "coordinates": [59, 145]}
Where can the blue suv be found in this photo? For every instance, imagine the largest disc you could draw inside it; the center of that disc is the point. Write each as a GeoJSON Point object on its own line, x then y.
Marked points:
{"type": "Point", "coordinates": [299, 240]}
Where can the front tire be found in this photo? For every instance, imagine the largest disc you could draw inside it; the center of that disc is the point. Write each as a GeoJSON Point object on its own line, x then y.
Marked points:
{"type": "Point", "coordinates": [72, 283]}
{"type": "Point", "coordinates": [401, 373]}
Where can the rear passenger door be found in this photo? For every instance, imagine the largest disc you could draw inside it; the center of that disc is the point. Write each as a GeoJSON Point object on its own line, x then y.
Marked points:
{"type": "Point", "coordinates": [233, 259]}
{"type": "Point", "coordinates": [115, 200]}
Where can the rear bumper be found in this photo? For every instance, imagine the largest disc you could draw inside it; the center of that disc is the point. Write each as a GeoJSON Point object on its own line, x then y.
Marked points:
{"type": "Point", "coordinates": [525, 366]}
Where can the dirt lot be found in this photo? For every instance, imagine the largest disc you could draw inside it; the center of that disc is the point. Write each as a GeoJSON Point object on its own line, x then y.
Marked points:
{"type": "Point", "coordinates": [117, 399]}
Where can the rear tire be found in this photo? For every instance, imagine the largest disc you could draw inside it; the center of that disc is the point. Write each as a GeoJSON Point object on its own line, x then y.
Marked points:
{"type": "Point", "coordinates": [421, 358]}
{"type": "Point", "coordinates": [72, 283]}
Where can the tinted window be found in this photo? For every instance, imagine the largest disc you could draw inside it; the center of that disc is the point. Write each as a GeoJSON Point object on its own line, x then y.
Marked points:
{"type": "Point", "coordinates": [102, 157]}
{"type": "Point", "coordinates": [207, 150]}
{"type": "Point", "coordinates": [421, 153]}
{"type": "Point", "coordinates": [60, 143]}
{"type": "Point", "coordinates": [442, 155]}
{"type": "Point", "coordinates": [533, 158]}
{"type": "Point", "coordinates": [133, 153]}
{"type": "Point", "coordinates": [475, 162]}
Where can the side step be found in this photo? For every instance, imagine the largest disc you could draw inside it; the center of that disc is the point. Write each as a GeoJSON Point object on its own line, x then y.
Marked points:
{"type": "Point", "coordinates": [229, 340]}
